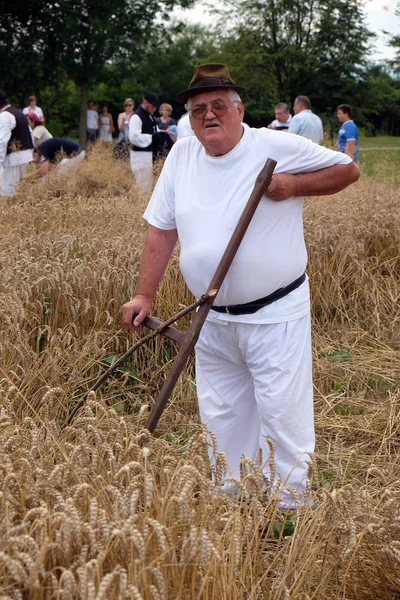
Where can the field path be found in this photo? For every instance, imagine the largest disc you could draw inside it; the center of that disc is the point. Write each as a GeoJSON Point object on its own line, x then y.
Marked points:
{"type": "Point", "coordinates": [361, 149]}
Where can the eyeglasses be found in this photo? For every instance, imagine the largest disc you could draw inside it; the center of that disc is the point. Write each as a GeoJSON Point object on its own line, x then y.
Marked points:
{"type": "Point", "coordinates": [218, 108]}
{"type": "Point", "coordinates": [125, 105]}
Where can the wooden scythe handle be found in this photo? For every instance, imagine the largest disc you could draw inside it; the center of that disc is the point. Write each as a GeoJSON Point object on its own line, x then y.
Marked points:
{"type": "Point", "coordinates": [189, 339]}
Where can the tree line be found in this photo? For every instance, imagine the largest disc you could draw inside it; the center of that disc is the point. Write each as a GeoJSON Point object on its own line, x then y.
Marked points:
{"type": "Point", "coordinates": [68, 51]}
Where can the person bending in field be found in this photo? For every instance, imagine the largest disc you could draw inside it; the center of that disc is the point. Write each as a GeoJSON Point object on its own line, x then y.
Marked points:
{"type": "Point", "coordinates": [56, 153]}
{"type": "Point", "coordinates": [253, 355]}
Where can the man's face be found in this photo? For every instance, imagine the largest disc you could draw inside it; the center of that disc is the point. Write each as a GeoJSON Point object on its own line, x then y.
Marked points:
{"type": "Point", "coordinates": [150, 108]}
{"type": "Point", "coordinates": [342, 116]}
{"type": "Point", "coordinates": [281, 115]}
{"type": "Point", "coordinates": [219, 135]}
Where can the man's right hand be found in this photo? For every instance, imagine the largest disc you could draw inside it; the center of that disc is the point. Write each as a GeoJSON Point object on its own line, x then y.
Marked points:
{"type": "Point", "coordinates": [135, 311]}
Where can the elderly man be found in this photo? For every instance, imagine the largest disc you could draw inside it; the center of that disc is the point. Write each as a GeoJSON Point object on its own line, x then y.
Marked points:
{"type": "Point", "coordinates": [282, 117]}
{"type": "Point", "coordinates": [142, 130]}
{"type": "Point", "coordinates": [305, 122]}
{"type": "Point", "coordinates": [253, 356]}
{"type": "Point", "coordinates": [15, 146]}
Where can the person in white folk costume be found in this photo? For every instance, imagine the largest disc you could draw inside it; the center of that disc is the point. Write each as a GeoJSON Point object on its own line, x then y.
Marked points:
{"type": "Point", "coordinates": [16, 146]}
{"type": "Point", "coordinates": [253, 355]}
{"type": "Point", "coordinates": [142, 132]}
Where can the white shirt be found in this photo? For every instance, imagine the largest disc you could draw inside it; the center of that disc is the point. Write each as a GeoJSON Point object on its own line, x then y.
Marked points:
{"type": "Point", "coordinates": [203, 198]}
{"type": "Point", "coordinates": [91, 119]}
{"type": "Point", "coordinates": [7, 123]}
{"type": "Point", "coordinates": [40, 134]}
{"type": "Point", "coordinates": [36, 110]}
{"type": "Point", "coordinates": [184, 127]}
{"type": "Point", "coordinates": [136, 137]}
{"type": "Point", "coordinates": [278, 125]}
{"type": "Point", "coordinates": [307, 124]}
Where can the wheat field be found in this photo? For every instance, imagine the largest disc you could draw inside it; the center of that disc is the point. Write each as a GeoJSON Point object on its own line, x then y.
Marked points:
{"type": "Point", "coordinates": [87, 513]}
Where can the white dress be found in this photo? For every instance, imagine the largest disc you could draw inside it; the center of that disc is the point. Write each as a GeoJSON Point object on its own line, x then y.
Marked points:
{"type": "Point", "coordinates": [105, 133]}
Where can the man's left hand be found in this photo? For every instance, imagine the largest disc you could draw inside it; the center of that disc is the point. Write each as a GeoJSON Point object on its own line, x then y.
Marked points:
{"type": "Point", "coordinates": [282, 187]}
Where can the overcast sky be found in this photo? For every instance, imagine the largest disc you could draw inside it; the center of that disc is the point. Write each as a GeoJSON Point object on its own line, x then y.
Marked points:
{"type": "Point", "coordinates": [380, 15]}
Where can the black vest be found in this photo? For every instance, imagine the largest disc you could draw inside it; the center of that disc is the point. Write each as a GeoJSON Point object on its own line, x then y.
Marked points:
{"type": "Point", "coordinates": [149, 125]}
{"type": "Point", "coordinates": [21, 138]}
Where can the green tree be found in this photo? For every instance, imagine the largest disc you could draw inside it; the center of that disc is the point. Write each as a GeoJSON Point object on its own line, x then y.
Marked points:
{"type": "Point", "coordinates": [25, 48]}
{"type": "Point", "coordinates": [168, 64]}
{"type": "Point", "coordinates": [283, 48]}
{"type": "Point", "coordinates": [394, 41]}
{"type": "Point", "coordinates": [82, 37]}
{"type": "Point", "coordinates": [377, 102]}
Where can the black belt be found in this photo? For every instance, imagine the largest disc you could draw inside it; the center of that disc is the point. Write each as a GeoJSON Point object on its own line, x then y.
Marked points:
{"type": "Point", "coordinates": [251, 307]}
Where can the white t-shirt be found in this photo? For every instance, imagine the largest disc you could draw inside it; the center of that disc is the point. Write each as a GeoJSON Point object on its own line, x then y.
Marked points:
{"type": "Point", "coordinates": [91, 119]}
{"type": "Point", "coordinates": [36, 110]}
{"type": "Point", "coordinates": [40, 134]}
{"type": "Point", "coordinates": [281, 126]}
{"type": "Point", "coordinates": [184, 127]}
{"type": "Point", "coordinates": [203, 198]}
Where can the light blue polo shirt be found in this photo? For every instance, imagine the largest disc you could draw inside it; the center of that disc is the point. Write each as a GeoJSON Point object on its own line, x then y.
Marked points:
{"type": "Point", "coordinates": [307, 124]}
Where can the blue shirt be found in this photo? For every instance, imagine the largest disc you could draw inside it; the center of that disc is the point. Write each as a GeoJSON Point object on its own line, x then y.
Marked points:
{"type": "Point", "coordinates": [307, 124]}
{"type": "Point", "coordinates": [348, 131]}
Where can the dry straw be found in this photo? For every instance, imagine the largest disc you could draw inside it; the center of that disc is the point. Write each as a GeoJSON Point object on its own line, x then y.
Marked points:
{"type": "Point", "coordinates": [87, 513]}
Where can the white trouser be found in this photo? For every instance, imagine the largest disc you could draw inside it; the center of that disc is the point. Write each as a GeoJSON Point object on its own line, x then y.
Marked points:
{"type": "Point", "coordinates": [67, 163]}
{"type": "Point", "coordinates": [142, 168]}
{"type": "Point", "coordinates": [255, 382]}
{"type": "Point", "coordinates": [9, 179]}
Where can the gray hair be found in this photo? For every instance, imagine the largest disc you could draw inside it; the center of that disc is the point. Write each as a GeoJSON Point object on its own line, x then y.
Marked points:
{"type": "Point", "coordinates": [305, 101]}
{"type": "Point", "coordinates": [233, 97]}
{"type": "Point", "coordinates": [282, 106]}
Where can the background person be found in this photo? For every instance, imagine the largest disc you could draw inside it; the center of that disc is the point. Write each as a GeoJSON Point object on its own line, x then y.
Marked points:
{"type": "Point", "coordinates": [56, 153]}
{"type": "Point", "coordinates": [253, 355]}
{"type": "Point", "coordinates": [142, 129]}
{"type": "Point", "coordinates": [32, 107]}
{"type": "Point", "coordinates": [39, 132]}
{"type": "Point", "coordinates": [15, 146]}
{"type": "Point", "coordinates": [120, 148]}
{"type": "Point", "coordinates": [184, 128]}
{"type": "Point", "coordinates": [165, 121]}
{"type": "Point", "coordinates": [123, 120]}
{"type": "Point", "coordinates": [347, 141]}
{"type": "Point", "coordinates": [106, 125]}
{"type": "Point", "coordinates": [92, 123]}
{"type": "Point", "coordinates": [305, 122]}
{"type": "Point", "coordinates": [282, 117]}
{"type": "Point", "coordinates": [167, 130]}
